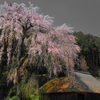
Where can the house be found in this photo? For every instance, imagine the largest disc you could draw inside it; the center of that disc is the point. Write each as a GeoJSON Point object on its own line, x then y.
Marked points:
{"type": "Point", "coordinates": [83, 86]}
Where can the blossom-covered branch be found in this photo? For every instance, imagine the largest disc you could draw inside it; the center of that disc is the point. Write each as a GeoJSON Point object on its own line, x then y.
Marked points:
{"type": "Point", "coordinates": [17, 22]}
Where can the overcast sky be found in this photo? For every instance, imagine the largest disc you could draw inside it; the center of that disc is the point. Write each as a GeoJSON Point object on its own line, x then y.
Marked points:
{"type": "Point", "coordinates": [83, 15]}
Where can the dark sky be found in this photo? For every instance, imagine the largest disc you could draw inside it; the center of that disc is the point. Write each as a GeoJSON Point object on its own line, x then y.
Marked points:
{"type": "Point", "coordinates": [83, 15]}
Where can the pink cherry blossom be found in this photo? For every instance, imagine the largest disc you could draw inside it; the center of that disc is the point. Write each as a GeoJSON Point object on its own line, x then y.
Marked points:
{"type": "Point", "coordinates": [36, 31]}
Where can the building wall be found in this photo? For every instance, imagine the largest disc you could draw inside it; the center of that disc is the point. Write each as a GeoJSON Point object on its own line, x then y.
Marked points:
{"type": "Point", "coordinates": [73, 96]}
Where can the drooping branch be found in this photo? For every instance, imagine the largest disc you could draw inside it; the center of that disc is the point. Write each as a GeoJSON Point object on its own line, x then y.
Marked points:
{"type": "Point", "coordinates": [18, 20]}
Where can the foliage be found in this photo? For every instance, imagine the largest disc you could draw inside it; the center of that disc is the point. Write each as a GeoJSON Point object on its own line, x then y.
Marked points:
{"type": "Point", "coordinates": [14, 98]}
{"type": "Point", "coordinates": [90, 50]}
{"type": "Point", "coordinates": [30, 87]}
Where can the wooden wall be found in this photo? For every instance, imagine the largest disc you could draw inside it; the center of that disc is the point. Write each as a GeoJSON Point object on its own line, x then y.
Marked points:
{"type": "Point", "coordinates": [73, 96]}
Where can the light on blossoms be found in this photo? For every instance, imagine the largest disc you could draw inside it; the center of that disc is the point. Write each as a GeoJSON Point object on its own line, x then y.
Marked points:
{"type": "Point", "coordinates": [29, 34]}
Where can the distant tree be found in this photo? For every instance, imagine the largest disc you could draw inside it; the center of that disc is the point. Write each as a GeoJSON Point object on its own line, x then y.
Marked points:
{"type": "Point", "coordinates": [90, 49]}
{"type": "Point", "coordinates": [29, 35]}
{"type": "Point", "coordinates": [83, 64]}
{"type": "Point", "coordinates": [97, 44]}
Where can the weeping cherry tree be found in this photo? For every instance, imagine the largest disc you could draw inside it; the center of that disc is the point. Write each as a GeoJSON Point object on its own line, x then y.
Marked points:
{"type": "Point", "coordinates": [23, 26]}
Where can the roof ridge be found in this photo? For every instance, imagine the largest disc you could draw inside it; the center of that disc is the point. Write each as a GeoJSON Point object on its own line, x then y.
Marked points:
{"type": "Point", "coordinates": [82, 72]}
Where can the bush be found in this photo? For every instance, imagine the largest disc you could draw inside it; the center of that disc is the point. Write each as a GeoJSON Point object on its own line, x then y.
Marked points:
{"type": "Point", "coordinates": [14, 98]}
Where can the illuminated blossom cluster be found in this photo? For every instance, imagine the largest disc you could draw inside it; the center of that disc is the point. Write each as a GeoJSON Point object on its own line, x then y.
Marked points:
{"type": "Point", "coordinates": [17, 21]}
